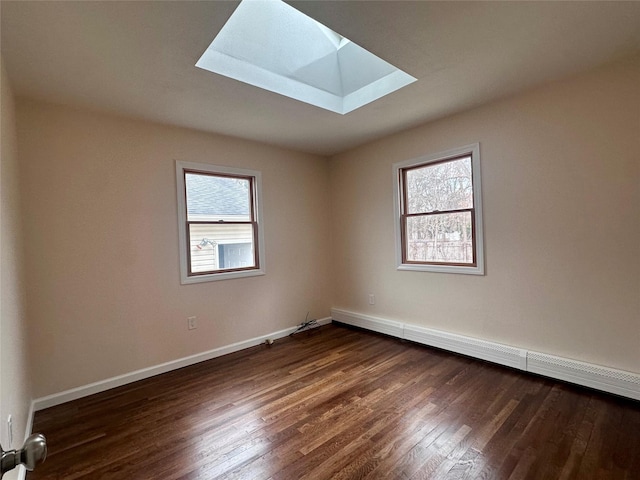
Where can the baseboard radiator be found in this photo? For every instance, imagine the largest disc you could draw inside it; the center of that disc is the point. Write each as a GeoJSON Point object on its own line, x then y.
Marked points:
{"type": "Point", "coordinates": [619, 382]}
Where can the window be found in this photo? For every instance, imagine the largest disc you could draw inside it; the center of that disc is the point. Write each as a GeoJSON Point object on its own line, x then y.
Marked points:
{"type": "Point", "coordinates": [271, 45]}
{"type": "Point", "coordinates": [439, 212]}
{"type": "Point", "coordinates": [219, 222]}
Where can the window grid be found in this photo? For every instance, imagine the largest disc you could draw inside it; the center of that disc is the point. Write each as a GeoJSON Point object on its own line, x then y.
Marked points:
{"type": "Point", "coordinates": [220, 222]}
{"type": "Point", "coordinates": [438, 212]}
{"type": "Point", "coordinates": [252, 222]}
{"type": "Point", "coordinates": [405, 215]}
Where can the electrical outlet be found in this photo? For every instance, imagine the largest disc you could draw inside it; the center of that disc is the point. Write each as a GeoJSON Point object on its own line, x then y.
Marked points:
{"type": "Point", "coordinates": [192, 323]}
{"type": "Point", "coordinates": [372, 299]}
{"type": "Point", "coordinates": [10, 430]}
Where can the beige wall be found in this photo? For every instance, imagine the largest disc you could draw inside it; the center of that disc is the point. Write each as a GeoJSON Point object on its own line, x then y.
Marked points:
{"type": "Point", "coordinates": [561, 181]}
{"type": "Point", "coordinates": [15, 393]}
{"type": "Point", "coordinates": [103, 273]}
{"type": "Point", "coordinates": [561, 207]}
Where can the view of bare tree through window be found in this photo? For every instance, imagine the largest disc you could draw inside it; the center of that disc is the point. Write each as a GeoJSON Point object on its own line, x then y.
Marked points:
{"type": "Point", "coordinates": [439, 212]}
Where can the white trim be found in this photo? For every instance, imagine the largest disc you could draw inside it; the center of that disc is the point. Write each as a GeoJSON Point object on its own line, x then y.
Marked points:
{"type": "Point", "coordinates": [120, 380]}
{"type": "Point", "coordinates": [29, 427]}
{"type": "Point", "coordinates": [380, 325]}
{"type": "Point", "coordinates": [602, 378]}
{"type": "Point", "coordinates": [185, 279]}
{"type": "Point", "coordinates": [28, 430]}
{"type": "Point", "coordinates": [606, 379]}
{"type": "Point", "coordinates": [474, 151]}
{"type": "Point", "coordinates": [22, 472]}
{"type": "Point", "coordinates": [489, 351]}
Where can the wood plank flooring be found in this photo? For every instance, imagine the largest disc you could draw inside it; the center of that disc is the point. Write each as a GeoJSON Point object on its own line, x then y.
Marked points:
{"type": "Point", "coordinates": [339, 403]}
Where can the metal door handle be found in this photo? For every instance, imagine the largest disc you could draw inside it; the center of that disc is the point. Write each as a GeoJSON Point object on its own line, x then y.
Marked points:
{"type": "Point", "coordinates": [33, 452]}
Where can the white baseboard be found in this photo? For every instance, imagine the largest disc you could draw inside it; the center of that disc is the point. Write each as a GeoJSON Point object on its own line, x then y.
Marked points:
{"type": "Point", "coordinates": [607, 379]}
{"type": "Point", "coordinates": [103, 385]}
{"type": "Point", "coordinates": [492, 352]}
{"type": "Point", "coordinates": [380, 325]}
{"type": "Point", "coordinates": [619, 382]}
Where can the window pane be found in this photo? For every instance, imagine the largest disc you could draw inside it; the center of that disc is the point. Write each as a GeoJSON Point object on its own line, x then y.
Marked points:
{"type": "Point", "coordinates": [440, 238]}
{"type": "Point", "coordinates": [213, 198]}
{"type": "Point", "coordinates": [441, 186]}
{"type": "Point", "coordinates": [221, 247]}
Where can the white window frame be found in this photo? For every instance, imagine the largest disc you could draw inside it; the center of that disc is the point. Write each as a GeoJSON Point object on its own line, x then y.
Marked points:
{"type": "Point", "coordinates": [468, 150]}
{"type": "Point", "coordinates": [206, 168]}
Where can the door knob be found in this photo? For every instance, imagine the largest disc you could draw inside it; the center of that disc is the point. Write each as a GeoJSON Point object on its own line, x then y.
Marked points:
{"type": "Point", "coordinates": [33, 452]}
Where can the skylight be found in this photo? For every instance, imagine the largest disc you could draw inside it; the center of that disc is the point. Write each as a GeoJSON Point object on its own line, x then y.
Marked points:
{"type": "Point", "coordinates": [271, 45]}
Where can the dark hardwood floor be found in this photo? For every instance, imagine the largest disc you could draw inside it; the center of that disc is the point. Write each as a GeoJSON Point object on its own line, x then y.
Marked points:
{"type": "Point", "coordinates": [338, 403]}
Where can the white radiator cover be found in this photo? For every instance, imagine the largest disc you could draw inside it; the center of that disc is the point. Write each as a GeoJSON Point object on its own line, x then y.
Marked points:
{"type": "Point", "coordinates": [607, 379]}
{"type": "Point", "coordinates": [619, 382]}
{"type": "Point", "coordinates": [492, 352]}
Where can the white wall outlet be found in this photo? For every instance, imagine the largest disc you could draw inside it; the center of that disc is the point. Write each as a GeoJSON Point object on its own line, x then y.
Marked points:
{"type": "Point", "coordinates": [10, 430]}
{"type": "Point", "coordinates": [372, 299]}
{"type": "Point", "coordinates": [192, 323]}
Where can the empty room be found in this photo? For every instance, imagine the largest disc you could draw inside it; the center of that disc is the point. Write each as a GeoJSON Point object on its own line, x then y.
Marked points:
{"type": "Point", "coordinates": [320, 240]}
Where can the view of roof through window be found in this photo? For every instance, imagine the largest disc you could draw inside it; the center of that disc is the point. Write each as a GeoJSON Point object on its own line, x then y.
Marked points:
{"type": "Point", "coordinates": [214, 198]}
{"type": "Point", "coordinates": [271, 45]}
{"type": "Point", "coordinates": [220, 232]}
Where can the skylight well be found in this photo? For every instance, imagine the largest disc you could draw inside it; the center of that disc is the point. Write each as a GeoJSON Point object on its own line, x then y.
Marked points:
{"type": "Point", "coordinates": [271, 45]}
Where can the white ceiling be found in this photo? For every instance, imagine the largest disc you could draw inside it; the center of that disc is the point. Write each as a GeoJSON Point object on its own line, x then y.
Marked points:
{"type": "Point", "coordinates": [138, 59]}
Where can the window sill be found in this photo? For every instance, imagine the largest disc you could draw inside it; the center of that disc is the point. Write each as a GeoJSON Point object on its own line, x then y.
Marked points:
{"type": "Point", "coordinates": [214, 277]}
{"type": "Point", "coordinates": [477, 270]}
